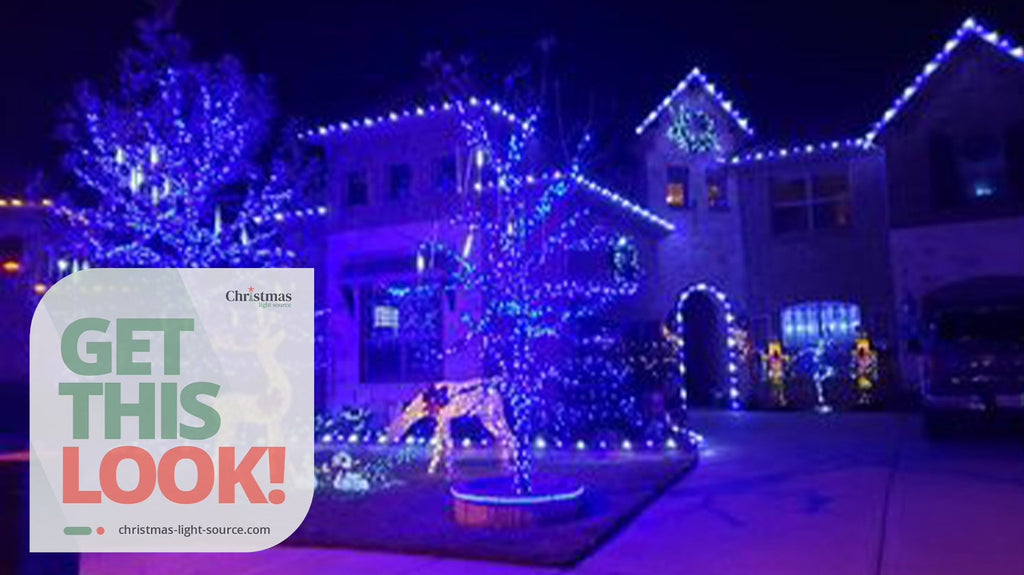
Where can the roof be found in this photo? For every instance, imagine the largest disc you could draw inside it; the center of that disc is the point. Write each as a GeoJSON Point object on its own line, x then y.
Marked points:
{"type": "Point", "coordinates": [803, 150]}
{"type": "Point", "coordinates": [492, 107]}
{"type": "Point", "coordinates": [969, 29]}
{"type": "Point", "coordinates": [696, 78]}
{"type": "Point", "coordinates": [622, 203]}
{"type": "Point", "coordinates": [603, 194]}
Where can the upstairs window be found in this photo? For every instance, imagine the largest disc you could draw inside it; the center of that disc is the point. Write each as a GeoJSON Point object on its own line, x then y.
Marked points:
{"type": "Point", "coordinates": [400, 181]}
{"type": "Point", "coordinates": [830, 201]}
{"type": "Point", "coordinates": [982, 168]}
{"type": "Point", "coordinates": [357, 191]}
{"type": "Point", "coordinates": [443, 174]}
{"type": "Point", "coordinates": [968, 170]}
{"type": "Point", "coordinates": [677, 186]}
{"type": "Point", "coordinates": [789, 206]}
{"type": "Point", "coordinates": [717, 198]}
{"type": "Point", "coordinates": [819, 202]}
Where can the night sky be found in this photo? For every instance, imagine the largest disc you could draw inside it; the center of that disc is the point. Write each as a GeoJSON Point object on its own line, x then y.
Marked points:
{"type": "Point", "coordinates": [799, 70]}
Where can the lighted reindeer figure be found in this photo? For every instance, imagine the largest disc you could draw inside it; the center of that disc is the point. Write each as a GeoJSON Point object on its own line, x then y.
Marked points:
{"type": "Point", "coordinates": [446, 400]}
{"type": "Point", "coordinates": [266, 405]}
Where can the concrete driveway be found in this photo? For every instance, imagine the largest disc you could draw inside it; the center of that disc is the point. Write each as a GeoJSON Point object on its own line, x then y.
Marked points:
{"type": "Point", "coordinates": [792, 493]}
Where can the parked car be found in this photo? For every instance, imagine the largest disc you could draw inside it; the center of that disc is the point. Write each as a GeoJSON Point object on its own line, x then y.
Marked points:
{"type": "Point", "coordinates": [974, 355]}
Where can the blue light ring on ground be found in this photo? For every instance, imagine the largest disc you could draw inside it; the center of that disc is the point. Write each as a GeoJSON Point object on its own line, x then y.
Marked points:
{"type": "Point", "coordinates": [551, 495]}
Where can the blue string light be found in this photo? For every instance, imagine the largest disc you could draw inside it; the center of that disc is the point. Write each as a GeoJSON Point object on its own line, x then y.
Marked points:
{"type": "Point", "coordinates": [969, 29]}
{"type": "Point", "coordinates": [456, 107]}
{"type": "Point", "coordinates": [732, 345]}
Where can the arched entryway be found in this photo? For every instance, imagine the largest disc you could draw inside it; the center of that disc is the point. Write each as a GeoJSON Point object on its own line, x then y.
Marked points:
{"type": "Point", "coordinates": [704, 322]}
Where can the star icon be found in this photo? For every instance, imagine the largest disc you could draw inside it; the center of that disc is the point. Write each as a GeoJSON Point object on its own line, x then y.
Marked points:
{"type": "Point", "coordinates": [250, 289]}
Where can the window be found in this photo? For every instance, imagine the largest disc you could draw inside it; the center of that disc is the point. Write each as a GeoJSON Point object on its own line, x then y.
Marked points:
{"type": "Point", "coordinates": [400, 181]}
{"type": "Point", "coordinates": [806, 323]}
{"type": "Point", "coordinates": [981, 165]}
{"type": "Point", "coordinates": [401, 334]}
{"type": "Point", "coordinates": [677, 184]}
{"type": "Point", "coordinates": [968, 170]}
{"type": "Point", "coordinates": [357, 190]}
{"type": "Point", "coordinates": [717, 198]}
{"type": "Point", "coordinates": [443, 176]}
{"type": "Point", "coordinates": [385, 316]}
{"type": "Point", "coordinates": [11, 250]}
{"type": "Point", "coordinates": [820, 202]}
{"type": "Point", "coordinates": [789, 208]}
{"type": "Point", "coordinates": [830, 202]}
{"type": "Point", "coordinates": [1015, 158]}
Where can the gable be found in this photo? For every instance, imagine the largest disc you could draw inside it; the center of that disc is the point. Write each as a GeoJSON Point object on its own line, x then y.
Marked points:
{"type": "Point", "coordinates": [969, 37]}
{"type": "Point", "coordinates": [693, 101]}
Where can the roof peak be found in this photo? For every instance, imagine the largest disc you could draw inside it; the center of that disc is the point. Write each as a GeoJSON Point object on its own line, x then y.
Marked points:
{"type": "Point", "coordinates": [696, 78]}
{"type": "Point", "coordinates": [970, 28]}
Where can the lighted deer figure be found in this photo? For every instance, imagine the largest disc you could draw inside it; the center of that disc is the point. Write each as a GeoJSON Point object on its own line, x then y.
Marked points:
{"type": "Point", "coordinates": [447, 400]}
{"type": "Point", "coordinates": [263, 405]}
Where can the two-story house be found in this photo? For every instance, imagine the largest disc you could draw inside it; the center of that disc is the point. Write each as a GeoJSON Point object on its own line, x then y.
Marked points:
{"type": "Point", "coordinates": [794, 243]}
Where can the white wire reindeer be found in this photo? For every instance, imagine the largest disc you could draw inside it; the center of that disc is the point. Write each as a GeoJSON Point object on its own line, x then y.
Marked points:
{"type": "Point", "coordinates": [446, 400]}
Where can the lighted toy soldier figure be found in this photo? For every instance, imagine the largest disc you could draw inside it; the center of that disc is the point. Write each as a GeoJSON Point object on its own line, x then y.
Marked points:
{"type": "Point", "coordinates": [865, 368]}
{"type": "Point", "coordinates": [775, 362]}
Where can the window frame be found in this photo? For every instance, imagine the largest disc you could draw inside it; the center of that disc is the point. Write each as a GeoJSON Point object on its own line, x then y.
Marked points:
{"type": "Point", "coordinates": [809, 201]}
{"type": "Point", "coordinates": [350, 179]}
{"type": "Point", "coordinates": [687, 197]}
{"type": "Point", "coordinates": [378, 338]}
{"type": "Point", "coordinates": [716, 178]}
{"type": "Point", "coordinates": [393, 171]}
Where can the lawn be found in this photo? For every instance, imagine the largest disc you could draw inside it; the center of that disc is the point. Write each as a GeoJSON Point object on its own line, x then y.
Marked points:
{"type": "Point", "coordinates": [414, 515]}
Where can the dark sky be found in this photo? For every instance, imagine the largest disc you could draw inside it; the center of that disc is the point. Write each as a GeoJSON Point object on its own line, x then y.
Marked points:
{"type": "Point", "coordinates": [799, 70]}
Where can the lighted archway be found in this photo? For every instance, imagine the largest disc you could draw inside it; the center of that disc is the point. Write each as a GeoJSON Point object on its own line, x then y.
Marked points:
{"type": "Point", "coordinates": [732, 355]}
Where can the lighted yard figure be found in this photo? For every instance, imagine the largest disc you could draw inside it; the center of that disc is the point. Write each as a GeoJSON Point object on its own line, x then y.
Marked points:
{"type": "Point", "coordinates": [693, 131]}
{"type": "Point", "coordinates": [447, 400]}
{"type": "Point", "coordinates": [775, 363]}
{"type": "Point", "coordinates": [821, 371]}
{"type": "Point", "coordinates": [865, 368]}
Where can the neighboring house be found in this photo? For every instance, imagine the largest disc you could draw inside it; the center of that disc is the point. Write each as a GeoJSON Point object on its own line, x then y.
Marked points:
{"type": "Point", "coordinates": [792, 244]}
{"type": "Point", "coordinates": [27, 235]}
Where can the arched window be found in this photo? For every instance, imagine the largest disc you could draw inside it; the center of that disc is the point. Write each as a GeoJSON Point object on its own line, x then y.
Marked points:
{"type": "Point", "coordinates": [805, 323]}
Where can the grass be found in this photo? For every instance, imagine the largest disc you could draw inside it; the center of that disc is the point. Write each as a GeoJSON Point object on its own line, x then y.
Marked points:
{"type": "Point", "coordinates": [415, 515]}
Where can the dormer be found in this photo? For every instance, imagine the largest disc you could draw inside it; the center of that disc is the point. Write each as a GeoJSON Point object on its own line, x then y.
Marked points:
{"type": "Point", "coordinates": [685, 139]}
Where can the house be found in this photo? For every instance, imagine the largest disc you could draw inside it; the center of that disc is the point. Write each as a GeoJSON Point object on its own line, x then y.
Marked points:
{"type": "Point", "coordinates": [790, 244]}
{"type": "Point", "coordinates": [392, 180]}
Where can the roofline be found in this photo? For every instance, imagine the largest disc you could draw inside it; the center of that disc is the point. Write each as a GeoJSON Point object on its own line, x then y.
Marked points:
{"type": "Point", "coordinates": [804, 150]}
{"type": "Point", "coordinates": [696, 77]}
{"type": "Point", "coordinates": [622, 203]}
{"type": "Point", "coordinates": [323, 132]}
{"type": "Point", "coordinates": [601, 192]}
{"type": "Point", "coordinates": [970, 28]}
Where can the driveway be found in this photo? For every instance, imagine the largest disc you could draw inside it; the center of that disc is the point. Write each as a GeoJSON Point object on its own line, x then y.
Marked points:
{"type": "Point", "coordinates": [787, 493]}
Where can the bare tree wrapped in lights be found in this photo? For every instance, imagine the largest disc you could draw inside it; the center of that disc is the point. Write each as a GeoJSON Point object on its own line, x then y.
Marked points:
{"type": "Point", "coordinates": [174, 166]}
{"type": "Point", "coordinates": [514, 257]}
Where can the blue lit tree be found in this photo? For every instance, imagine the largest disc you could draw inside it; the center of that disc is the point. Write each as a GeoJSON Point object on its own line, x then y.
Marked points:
{"type": "Point", "coordinates": [532, 315]}
{"type": "Point", "coordinates": [174, 165]}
